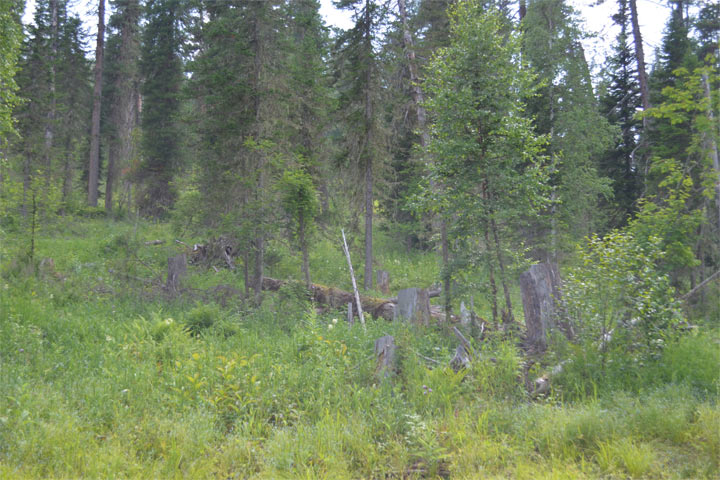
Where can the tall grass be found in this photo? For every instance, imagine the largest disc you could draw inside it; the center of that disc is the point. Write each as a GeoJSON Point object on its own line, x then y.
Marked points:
{"type": "Point", "coordinates": [104, 378]}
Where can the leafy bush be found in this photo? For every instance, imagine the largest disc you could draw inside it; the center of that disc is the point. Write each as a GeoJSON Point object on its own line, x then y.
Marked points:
{"type": "Point", "coordinates": [621, 307]}
{"type": "Point", "coordinates": [202, 317]}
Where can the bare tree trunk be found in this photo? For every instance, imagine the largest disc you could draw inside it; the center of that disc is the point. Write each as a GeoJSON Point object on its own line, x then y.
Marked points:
{"type": "Point", "coordinates": [712, 145]}
{"type": "Point", "coordinates": [67, 178]}
{"type": "Point", "coordinates": [50, 125]}
{"type": "Point", "coordinates": [640, 59]}
{"type": "Point", "coordinates": [416, 89]}
{"type": "Point", "coordinates": [368, 276]}
{"type": "Point", "coordinates": [491, 273]}
{"type": "Point", "coordinates": [304, 248]}
{"type": "Point", "coordinates": [418, 99]}
{"type": "Point", "coordinates": [110, 174]}
{"type": "Point", "coordinates": [260, 165]}
{"type": "Point", "coordinates": [503, 278]}
{"type": "Point", "coordinates": [27, 180]}
{"type": "Point", "coordinates": [367, 279]}
{"type": "Point", "coordinates": [94, 166]}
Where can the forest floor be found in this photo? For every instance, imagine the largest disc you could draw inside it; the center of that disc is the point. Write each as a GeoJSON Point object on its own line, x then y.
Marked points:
{"type": "Point", "coordinates": [103, 375]}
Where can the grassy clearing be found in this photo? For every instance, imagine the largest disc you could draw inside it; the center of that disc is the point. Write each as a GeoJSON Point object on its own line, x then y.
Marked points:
{"type": "Point", "coordinates": [101, 377]}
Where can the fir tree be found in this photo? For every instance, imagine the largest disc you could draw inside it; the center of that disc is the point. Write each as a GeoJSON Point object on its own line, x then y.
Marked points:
{"type": "Point", "coordinates": [359, 87]}
{"type": "Point", "coordinates": [162, 74]}
{"type": "Point", "coordinates": [620, 103]}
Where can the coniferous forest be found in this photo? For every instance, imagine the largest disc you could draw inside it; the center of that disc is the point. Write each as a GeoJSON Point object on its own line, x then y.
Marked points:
{"type": "Point", "coordinates": [238, 242]}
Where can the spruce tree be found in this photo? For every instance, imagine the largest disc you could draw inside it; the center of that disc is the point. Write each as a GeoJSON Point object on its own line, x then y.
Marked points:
{"type": "Point", "coordinates": [620, 103]}
{"type": "Point", "coordinates": [162, 73]}
{"type": "Point", "coordinates": [567, 112]}
{"type": "Point", "coordinates": [121, 90]}
{"type": "Point", "coordinates": [487, 161]}
{"type": "Point", "coordinates": [359, 87]}
{"type": "Point", "coordinates": [52, 122]}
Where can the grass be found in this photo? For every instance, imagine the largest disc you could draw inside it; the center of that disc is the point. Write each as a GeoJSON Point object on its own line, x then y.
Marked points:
{"type": "Point", "coordinates": [101, 377]}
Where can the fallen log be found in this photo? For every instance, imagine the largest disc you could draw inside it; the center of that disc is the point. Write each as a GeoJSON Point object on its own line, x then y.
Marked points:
{"type": "Point", "coordinates": [336, 298]}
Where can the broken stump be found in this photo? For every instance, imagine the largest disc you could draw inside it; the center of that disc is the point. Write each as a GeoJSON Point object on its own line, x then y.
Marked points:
{"type": "Point", "coordinates": [383, 281]}
{"type": "Point", "coordinates": [540, 286]}
{"type": "Point", "coordinates": [414, 305]}
{"type": "Point", "coordinates": [385, 354]}
{"type": "Point", "coordinates": [177, 268]}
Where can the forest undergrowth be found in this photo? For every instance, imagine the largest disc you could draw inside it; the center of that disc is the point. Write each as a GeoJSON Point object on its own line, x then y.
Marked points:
{"type": "Point", "coordinates": [104, 376]}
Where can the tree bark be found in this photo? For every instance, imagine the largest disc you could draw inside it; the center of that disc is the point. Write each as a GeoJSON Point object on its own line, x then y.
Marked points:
{"type": "Point", "coordinates": [640, 58]}
{"type": "Point", "coordinates": [368, 277]}
{"type": "Point", "coordinates": [336, 298]}
{"type": "Point", "coordinates": [503, 278]}
{"type": "Point", "coordinates": [94, 166]}
{"type": "Point", "coordinates": [358, 303]}
{"type": "Point", "coordinates": [415, 87]}
{"type": "Point", "coordinates": [491, 273]}
{"type": "Point", "coordinates": [712, 145]}
{"type": "Point", "coordinates": [304, 248]}
{"type": "Point", "coordinates": [50, 125]}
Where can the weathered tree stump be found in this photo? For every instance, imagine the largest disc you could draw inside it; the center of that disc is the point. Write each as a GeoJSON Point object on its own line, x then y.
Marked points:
{"type": "Point", "coordinates": [383, 281]}
{"type": "Point", "coordinates": [413, 305]}
{"type": "Point", "coordinates": [385, 349]}
{"type": "Point", "coordinates": [465, 316]}
{"type": "Point", "coordinates": [540, 286]}
{"type": "Point", "coordinates": [177, 268]}
{"type": "Point", "coordinates": [461, 359]}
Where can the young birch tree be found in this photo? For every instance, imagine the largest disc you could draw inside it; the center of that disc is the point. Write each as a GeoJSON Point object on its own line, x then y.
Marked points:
{"type": "Point", "coordinates": [487, 165]}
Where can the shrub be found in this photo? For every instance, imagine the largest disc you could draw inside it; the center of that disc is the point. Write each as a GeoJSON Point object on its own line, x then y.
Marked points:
{"type": "Point", "coordinates": [620, 305]}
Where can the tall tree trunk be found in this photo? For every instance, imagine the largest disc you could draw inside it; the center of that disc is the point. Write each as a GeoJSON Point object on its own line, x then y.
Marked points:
{"type": "Point", "coordinates": [503, 278]}
{"type": "Point", "coordinates": [50, 125]}
{"type": "Point", "coordinates": [712, 144]}
{"type": "Point", "coordinates": [94, 166]}
{"type": "Point", "coordinates": [260, 163]}
{"type": "Point", "coordinates": [368, 276]}
{"type": "Point", "coordinates": [640, 58]}
{"type": "Point", "coordinates": [418, 99]}
{"type": "Point", "coordinates": [27, 181]}
{"type": "Point", "coordinates": [415, 87]}
{"type": "Point", "coordinates": [124, 114]}
{"type": "Point", "coordinates": [491, 274]}
{"type": "Point", "coordinates": [304, 248]}
{"type": "Point", "coordinates": [67, 177]}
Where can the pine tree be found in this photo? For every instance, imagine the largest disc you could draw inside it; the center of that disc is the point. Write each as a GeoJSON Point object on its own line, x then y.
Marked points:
{"type": "Point", "coordinates": [360, 87]}
{"type": "Point", "coordinates": [240, 85]}
{"type": "Point", "coordinates": [122, 84]}
{"type": "Point", "coordinates": [620, 103]}
{"type": "Point", "coordinates": [487, 164]}
{"type": "Point", "coordinates": [162, 73]}
{"type": "Point", "coordinates": [10, 43]}
{"type": "Point", "coordinates": [566, 110]}
{"type": "Point", "coordinates": [53, 78]}
{"type": "Point", "coordinates": [94, 164]}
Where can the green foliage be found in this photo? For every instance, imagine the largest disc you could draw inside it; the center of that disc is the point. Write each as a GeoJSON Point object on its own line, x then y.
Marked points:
{"type": "Point", "coordinates": [162, 70]}
{"type": "Point", "coordinates": [299, 200]}
{"type": "Point", "coordinates": [683, 176]}
{"type": "Point", "coordinates": [621, 307]}
{"type": "Point", "coordinates": [10, 42]}
{"type": "Point", "coordinates": [202, 317]}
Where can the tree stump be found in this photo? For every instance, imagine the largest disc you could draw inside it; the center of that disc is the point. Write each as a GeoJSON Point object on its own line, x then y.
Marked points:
{"type": "Point", "coordinates": [177, 268]}
{"type": "Point", "coordinates": [464, 315]}
{"type": "Point", "coordinates": [385, 353]}
{"type": "Point", "coordinates": [413, 305]}
{"type": "Point", "coordinates": [540, 286]}
{"type": "Point", "coordinates": [461, 359]}
{"type": "Point", "coordinates": [383, 281]}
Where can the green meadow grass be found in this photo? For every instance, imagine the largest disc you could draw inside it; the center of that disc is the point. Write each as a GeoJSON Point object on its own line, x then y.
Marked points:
{"type": "Point", "coordinates": [104, 377]}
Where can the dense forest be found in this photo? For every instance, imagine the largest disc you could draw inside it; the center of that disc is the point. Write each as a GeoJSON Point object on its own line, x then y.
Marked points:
{"type": "Point", "coordinates": [183, 197]}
